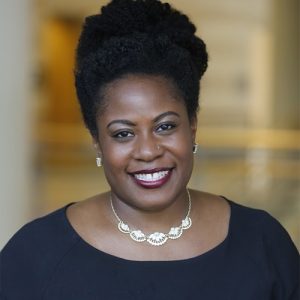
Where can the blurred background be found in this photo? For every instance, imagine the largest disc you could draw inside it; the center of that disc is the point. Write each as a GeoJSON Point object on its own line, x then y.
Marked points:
{"type": "Point", "coordinates": [249, 123]}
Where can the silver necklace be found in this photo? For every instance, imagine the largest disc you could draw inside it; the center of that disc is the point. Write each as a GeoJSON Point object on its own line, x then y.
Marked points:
{"type": "Point", "coordinates": [155, 238]}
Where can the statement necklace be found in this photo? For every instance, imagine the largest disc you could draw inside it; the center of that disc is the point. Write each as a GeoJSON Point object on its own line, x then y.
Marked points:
{"type": "Point", "coordinates": [156, 238]}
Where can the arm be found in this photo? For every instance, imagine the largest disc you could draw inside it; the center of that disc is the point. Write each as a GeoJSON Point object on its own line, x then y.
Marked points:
{"type": "Point", "coordinates": [283, 260]}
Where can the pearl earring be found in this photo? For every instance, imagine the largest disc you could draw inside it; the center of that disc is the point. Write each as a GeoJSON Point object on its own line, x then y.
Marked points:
{"type": "Point", "coordinates": [195, 148]}
{"type": "Point", "coordinates": [98, 161]}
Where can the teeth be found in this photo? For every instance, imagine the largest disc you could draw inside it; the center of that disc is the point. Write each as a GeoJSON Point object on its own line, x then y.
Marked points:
{"type": "Point", "coordinates": [151, 177]}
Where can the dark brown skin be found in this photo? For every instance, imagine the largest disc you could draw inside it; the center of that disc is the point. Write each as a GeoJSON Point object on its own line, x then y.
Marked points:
{"type": "Point", "coordinates": [157, 133]}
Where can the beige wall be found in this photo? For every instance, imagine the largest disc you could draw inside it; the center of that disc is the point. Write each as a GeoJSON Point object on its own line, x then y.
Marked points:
{"type": "Point", "coordinates": [286, 92]}
{"type": "Point", "coordinates": [15, 159]}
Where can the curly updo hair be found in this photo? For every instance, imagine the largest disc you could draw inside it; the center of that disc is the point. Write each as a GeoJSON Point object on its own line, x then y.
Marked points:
{"type": "Point", "coordinates": [144, 37]}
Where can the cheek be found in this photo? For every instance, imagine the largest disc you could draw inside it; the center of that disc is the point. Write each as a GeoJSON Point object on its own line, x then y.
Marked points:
{"type": "Point", "coordinates": [115, 162]}
{"type": "Point", "coordinates": [183, 155]}
{"type": "Point", "coordinates": [181, 143]}
{"type": "Point", "coordinates": [115, 155]}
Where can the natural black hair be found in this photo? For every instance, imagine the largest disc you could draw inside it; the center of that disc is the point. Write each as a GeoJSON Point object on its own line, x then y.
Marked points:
{"type": "Point", "coordinates": [137, 37]}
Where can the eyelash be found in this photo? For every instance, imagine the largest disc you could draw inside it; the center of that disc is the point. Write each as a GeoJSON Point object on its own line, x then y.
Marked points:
{"type": "Point", "coordinates": [169, 125]}
{"type": "Point", "coordinates": [118, 135]}
{"type": "Point", "coordinates": [128, 134]}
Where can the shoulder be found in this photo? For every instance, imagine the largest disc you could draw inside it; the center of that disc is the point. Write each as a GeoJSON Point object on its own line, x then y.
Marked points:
{"type": "Point", "coordinates": [259, 225]}
{"type": "Point", "coordinates": [32, 254]}
{"type": "Point", "coordinates": [264, 241]}
{"type": "Point", "coordinates": [41, 233]}
{"type": "Point", "coordinates": [258, 222]}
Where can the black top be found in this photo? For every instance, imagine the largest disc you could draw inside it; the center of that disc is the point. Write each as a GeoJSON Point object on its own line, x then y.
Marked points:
{"type": "Point", "coordinates": [47, 259]}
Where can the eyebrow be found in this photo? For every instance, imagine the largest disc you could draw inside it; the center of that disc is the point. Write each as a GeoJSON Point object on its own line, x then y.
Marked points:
{"type": "Point", "coordinates": [156, 119]}
{"type": "Point", "coordinates": [125, 122]}
{"type": "Point", "coordinates": [167, 113]}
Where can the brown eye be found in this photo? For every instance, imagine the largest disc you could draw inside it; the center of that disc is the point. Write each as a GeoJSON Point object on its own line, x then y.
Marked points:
{"type": "Point", "coordinates": [123, 134]}
{"type": "Point", "coordinates": [165, 127]}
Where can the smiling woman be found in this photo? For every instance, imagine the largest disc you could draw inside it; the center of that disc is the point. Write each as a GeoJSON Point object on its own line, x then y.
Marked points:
{"type": "Point", "coordinates": [138, 70]}
{"type": "Point", "coordinates": [146, 139]}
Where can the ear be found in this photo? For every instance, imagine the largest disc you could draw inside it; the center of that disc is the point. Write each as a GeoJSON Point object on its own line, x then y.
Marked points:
{"type": "Point", "coordinates": [193, 126]}
{"type": "Point", "coordinates": [96, 145]}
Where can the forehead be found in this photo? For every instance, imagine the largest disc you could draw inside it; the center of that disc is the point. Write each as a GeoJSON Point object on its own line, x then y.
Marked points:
{"type": "Point", "coordinates": [141, 94]}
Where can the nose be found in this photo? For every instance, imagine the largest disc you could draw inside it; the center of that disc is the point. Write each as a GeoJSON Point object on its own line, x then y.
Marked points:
{"type": "Point", "coordinates": [147, 148]}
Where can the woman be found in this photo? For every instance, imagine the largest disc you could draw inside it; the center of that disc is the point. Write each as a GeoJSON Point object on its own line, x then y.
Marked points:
{"type": "Point", "coordinates": [138, 69]}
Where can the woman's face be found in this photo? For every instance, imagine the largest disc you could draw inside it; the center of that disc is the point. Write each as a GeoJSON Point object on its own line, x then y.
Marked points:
{"type": "Point", "coordinates": [145, 140]}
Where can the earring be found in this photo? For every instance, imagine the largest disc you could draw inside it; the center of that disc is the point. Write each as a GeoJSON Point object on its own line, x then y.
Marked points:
{"type": "Point", "coordinates": [195, 148]}
{"type": "Point", "coordinates": [98, 161]}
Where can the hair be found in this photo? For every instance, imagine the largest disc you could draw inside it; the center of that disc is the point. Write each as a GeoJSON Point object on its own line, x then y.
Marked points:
{"type": "Point", "coordinates": [144, 37]}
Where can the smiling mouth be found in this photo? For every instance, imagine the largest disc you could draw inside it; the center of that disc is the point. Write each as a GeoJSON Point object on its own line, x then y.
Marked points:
{"type": "Point", "coordinates": [152, 178]}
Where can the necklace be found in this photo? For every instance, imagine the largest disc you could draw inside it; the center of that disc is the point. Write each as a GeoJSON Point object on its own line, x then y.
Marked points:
{"type": "Point", "coordinates": [155, 238]}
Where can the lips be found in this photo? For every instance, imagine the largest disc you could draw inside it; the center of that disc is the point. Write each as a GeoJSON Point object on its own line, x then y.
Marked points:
{"type": "Point", "coordinates": [154, 178]}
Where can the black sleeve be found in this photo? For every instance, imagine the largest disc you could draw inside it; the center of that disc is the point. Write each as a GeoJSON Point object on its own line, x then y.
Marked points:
{"type": "Point", "coordinates": [283, 260]}
{"type": "Point", "coordinates": [23, 265]}
{"type": "Point", "coordinates": [32, 255]}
